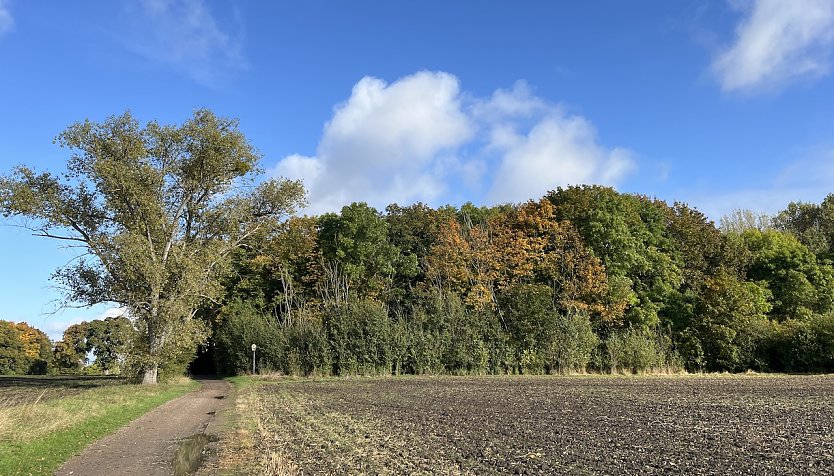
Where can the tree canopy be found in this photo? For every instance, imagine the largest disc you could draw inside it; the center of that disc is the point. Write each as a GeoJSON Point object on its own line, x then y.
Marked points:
{"type": "Point", "coordinates": [156, 211]}
{"type": "Point", "coordinates": [172, 225]}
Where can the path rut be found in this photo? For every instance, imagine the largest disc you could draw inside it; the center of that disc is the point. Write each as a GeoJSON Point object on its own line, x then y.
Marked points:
{"type": "Point", "coordinates": [146, 446]}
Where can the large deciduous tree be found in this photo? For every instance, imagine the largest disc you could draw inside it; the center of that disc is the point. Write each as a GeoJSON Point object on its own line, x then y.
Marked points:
{"type": "Point", "coordinates": [156, 210]}
{"type": "Point", "coordinates": [355, 243]}
{"type": "Point", "coordinates": [812, 224]}
{"type": "Point", "coordinates": [23, 349]}
{"type": "Point", "coordinates": [799, 283]}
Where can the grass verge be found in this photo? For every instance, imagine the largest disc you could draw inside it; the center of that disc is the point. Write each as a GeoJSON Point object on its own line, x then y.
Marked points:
{"type": "Point", "coordinates": [38, 438]}
{"type": "Point", "coordinates": [242, 381]}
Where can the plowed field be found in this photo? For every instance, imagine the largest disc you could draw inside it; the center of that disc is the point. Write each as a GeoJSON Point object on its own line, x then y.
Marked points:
{"type": "Point", "coordinates": [553, 425]}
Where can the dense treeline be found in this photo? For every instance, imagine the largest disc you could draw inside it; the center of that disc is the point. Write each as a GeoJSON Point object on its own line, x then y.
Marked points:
{"type": "Point", "coordinates": [585, 278]}
{"type": "Point", "coordinates": [27, 350]}
{"type": "Point", "coordinates": [177, 231]}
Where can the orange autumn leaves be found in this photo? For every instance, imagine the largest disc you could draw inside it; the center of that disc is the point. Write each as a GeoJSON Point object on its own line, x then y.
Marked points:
{"type": "Point", "coordinates": [527, 245]}
{"type": "Point", "coordinates": [33, 340]}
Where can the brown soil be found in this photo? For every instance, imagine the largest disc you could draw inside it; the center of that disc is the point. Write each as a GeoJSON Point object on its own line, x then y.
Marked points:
{"type": "Point", "coordinates": [148, 444]}
{"type": "Point", "coordinates": [692, 425]}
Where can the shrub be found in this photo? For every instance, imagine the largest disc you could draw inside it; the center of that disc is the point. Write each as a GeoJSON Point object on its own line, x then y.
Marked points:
{"type": "Point", "coordinates": [307, 350]}
{"type": "Point", "coordinates": [573, 345]}
{"type": "Point", "coordinates": [639, 351]}
{"type": "Point", "coordinates": [359, 334]}
{"type": "Point", "coordinates": [806, 346]}
{"type": "Point", "coordinates": [241, 325]}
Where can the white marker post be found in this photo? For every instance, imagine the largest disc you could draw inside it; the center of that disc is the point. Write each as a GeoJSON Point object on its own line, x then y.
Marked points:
{"type": "Point", "coordinates": [254, 347]}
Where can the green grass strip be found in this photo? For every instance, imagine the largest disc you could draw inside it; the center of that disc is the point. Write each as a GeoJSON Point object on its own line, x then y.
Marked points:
{"type": "Point", "coordinates": [243, 381]}
{"type": "Point", "coordinates": [45, 455]}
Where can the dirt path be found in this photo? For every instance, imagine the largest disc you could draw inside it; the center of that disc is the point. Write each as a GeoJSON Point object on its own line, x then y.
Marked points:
{"type": "Point", "coordinates": [147, 445]}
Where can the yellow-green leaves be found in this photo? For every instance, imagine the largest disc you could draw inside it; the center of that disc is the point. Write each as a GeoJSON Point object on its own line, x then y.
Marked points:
{"type": "Point", "coordinates": [158, 208]}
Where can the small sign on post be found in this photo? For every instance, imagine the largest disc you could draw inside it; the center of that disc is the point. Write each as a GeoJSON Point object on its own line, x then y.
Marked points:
{"type": "Point", "coordinates": [254, 348]}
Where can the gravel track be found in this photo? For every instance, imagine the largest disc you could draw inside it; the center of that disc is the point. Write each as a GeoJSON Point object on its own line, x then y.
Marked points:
{"type": "Point", "coordinates": [147, 445]}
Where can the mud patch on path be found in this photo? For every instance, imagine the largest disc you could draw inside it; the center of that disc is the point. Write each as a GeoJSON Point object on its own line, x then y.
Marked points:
{"type": "Point", "coordinates": [190, 453]}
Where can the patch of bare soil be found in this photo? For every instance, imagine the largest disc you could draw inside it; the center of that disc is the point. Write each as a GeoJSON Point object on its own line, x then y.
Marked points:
{"type": "Point", "coordinates": [694, 425]}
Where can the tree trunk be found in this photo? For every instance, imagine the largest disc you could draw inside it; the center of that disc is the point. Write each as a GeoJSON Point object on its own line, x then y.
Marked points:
{"type": "Point", "coordinates": [150, 375]}
{"type": "Point", "coordinates": [152, 369]}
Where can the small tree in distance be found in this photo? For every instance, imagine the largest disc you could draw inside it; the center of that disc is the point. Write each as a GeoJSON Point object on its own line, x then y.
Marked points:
{"type": "Point", "coordinates": [156, 210]}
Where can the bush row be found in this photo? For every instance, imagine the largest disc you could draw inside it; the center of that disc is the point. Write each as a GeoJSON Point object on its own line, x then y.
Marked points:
{"type": "Point", "coordinates": [444, 337]}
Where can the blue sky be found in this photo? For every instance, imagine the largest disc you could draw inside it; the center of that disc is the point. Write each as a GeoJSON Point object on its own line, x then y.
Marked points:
{"type": "Point", "coordinates": [720, 104]}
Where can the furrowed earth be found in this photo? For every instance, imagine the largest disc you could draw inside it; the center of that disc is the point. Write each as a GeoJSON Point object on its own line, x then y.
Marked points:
{"type": "Point", "coordinates": [717, 424]}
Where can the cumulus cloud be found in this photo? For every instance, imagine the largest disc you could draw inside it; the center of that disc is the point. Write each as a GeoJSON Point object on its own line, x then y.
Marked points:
{"type": "Point", "coordinates": [557, 149]}
{"type": "Point", "coordinates": [421, 138]}
{"type": "Point", "coordinates": [385, 144]}
{"type": "Point", "coordinates": [6, 19]}
{"type": "Point", "coordinates": [186, 36]}
{"type": "Point", "coordinates": [504, 104]}
{"type": "Point", "coordinates": [777, 42]}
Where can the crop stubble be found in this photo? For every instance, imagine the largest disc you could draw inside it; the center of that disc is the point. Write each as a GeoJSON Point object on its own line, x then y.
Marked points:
{"type": "Point", "coordinates": [557, 425]}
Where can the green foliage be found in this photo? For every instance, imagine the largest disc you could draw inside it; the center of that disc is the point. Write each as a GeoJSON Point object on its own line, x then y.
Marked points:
{"type": "Point", "coordinates": [811, 224]}
{"type": "Point", "coordinates": [573, 345]}
{"type": "Point", "coordinates": [159, 209]}
{"type": "Point", "coordinates": [731, 322]}
{"type": "Point", "coordinates": [357, 240]}
{"type": "Point", "coordinates": [806, 345]}
{"type": "Point", "coordinates": [529, 316]}
{"type": "Point", "coordinates": [359, 333]}
{"type": "Point", "coordinates": [470, 340]}
{"type": "Point", "coordinates": [629, 235]}
{"type": "Point", "coordinates": [23, 349]}
{"type": "Point", "coordinates": [413, 230]}
{"type": "Point", "coordinates": [638, 351]}
{"type": "Point", "coordinates": [109, 340]}
{"type": "Point", "coordinates": [308, 351]}
{"type": "Point", "coordinates": [799, 284]}
{"type": "Point", "coordinates": [241, 325]}
{"type": "Point", "coordinates": [543, 339]}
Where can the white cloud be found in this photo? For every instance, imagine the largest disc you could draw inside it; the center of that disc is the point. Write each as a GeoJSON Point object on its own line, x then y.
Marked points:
{"type": "Point", "coordinates": [385, 144]}
{"type": "Point", "coordinates": [777, 42]}
{"type": "Point", "coordinates": [6, 19]}
{"type": "Point", "coordinates": [559, 150]}
{"type": "Point", "coordinates": [421, 139]}
{"type": "Point", "coordinates": [298, 166]}
{"type": "Point", "coordinates": [520, 101]}
{"type": "Point", "coordinates": [186, 36]}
